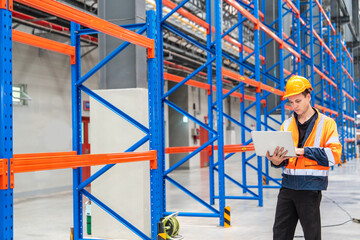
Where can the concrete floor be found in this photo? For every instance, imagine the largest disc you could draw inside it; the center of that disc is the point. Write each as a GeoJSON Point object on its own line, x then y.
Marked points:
{"type": "Point", "coordinates": [50, 217]}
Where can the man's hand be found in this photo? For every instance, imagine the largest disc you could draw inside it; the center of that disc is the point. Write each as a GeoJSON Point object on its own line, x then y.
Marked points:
{"type": "Point", "coordinates": [299, 151]}
{"type": "Point", "coordinates": [278, 156]}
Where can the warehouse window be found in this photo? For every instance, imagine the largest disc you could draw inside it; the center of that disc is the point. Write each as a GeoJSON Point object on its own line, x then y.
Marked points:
{"type": "Point", "coordinates": [20, 96]}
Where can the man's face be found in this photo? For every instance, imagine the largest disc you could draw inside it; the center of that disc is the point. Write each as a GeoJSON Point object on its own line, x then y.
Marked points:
{"type": "Point", "coordinates": [300, 103]}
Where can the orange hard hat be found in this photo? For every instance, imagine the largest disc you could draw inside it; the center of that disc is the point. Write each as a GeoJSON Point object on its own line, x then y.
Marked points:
{"type": "Point", "coordinates": [296, 85]}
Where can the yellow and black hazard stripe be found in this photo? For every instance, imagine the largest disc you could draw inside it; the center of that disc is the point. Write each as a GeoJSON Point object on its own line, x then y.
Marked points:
{"type": "Point", "coordinates": [161, 236]}
{"type": "Point", "coordinates": [227, 217]}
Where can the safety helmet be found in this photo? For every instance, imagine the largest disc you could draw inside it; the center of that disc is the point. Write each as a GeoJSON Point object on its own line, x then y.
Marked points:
{"type": "Point", "coordinates": [296, 85]}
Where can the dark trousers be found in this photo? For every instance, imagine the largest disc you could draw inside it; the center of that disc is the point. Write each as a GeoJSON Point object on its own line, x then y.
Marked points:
{"type": "Point", "coordinates": [293, 205]}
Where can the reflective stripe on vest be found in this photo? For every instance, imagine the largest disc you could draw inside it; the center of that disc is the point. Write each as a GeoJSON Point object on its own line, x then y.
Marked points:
{"type": "Point", "coordinates": [306, 172]}
{"type": "Point", "coordinates": [319, 130]}
{"type": "Point", "coordinates": [332, 140]}
{"type": "Point", "coordinates": [330, 156]}
{"type": "Point", "coordinates": [287, 123]}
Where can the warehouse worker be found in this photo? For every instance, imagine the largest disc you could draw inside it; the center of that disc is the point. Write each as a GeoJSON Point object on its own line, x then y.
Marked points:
{"type": "Point", "coordinates": [318, 148]}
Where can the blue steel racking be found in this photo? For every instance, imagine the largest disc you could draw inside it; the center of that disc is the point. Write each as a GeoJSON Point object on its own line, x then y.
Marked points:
{"type": "Point", "coordinates": [214, 51]}
{"type": "Point", "coordinates": [336, 80]}
{"type": "Point", "coordinates": [306, 42]}
{"type": "Point", "coordinates": [346, 100]}
{"type": "Point", "coordinates": [75, 161]}
{"type": "Point", "coordinates": [6, 121]}
{"type": "Point", "coordinates": [213, 134]}
{"type": "Point", "coordinates": [151, 132]}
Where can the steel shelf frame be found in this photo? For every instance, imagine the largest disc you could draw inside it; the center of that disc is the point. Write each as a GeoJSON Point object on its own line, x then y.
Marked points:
{"type": "Point", "coordinates": [214, 135]}
{"type": "Point", "coordinates": [336, 96]}
{"type": "Point", "coordinates": [215, 53]}
{"type": "Point", "coordinates": [312, 39]}
{"type": "Point", "coordinates": [301, 46]}
{"type": "Point", "coordinates": [6, 122]}
{"type": "Point", "coordinates": [11, 164]}
{"type": "Point", "coordinates": [262, 74]}
{"type": "Point", "coordinates": [333, 94]}
{"type": "Point", "coordinates": [346, 100]}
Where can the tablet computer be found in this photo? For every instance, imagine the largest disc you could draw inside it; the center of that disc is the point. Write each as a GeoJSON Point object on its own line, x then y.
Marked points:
{"type": "Point", "coordinates": [268, 141]}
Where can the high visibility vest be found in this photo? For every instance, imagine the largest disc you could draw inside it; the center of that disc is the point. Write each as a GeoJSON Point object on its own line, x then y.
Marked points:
{"type": "Point", "coordinates": [322, 150]}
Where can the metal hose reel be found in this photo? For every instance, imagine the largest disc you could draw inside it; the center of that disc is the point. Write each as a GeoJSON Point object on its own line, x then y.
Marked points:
{"type": "Point", "coordinates": [172, 227]}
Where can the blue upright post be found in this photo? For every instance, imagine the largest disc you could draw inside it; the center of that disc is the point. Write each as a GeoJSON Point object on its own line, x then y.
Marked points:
{"type": "Point", "coordinates": [76, 127]}
{"type": "Point", "coordinates": [157, 193]}
{"type": "Point", "coordinates": [281, 58]}
{"type": "Point", "coordinates": [160, 79]}
{"type": "Point", "coordinates": [334, 71]}
{"type": "Point", "coordinates": [263, 40]}
{"type": "Point", "coordinates": [219, 110]}
{"type": "Point", "coordinates": [258, 97]}
{"type": "Point", "coordinates": [353, 105]}
{"type": "Point", "coordinates": [294, 39]}
{"type": "Point", "coordinates": [340, 87]}
{"type": "Point", "coordinates": [298, 38]}
{"type": "Point", "coordinates": [312, 62]}
{"type": "Point", "coordinates": [346, 108]}
{"type": "Point", "coordinates": [210, 102]}
{"type": "Point", "coordinates": [6, 123]}
{"type": "Point", "coordinates": [321, 57]}
{"type": "Point", "coordinates": [242, 102]}
{"type": "Point", "coordinates": [329, 65]}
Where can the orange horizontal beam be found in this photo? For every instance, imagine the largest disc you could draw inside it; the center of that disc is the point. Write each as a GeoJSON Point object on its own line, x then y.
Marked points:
{"type": "Point", "coordinates": [293, 7]}
{"type": "Point", "coordinates": [347, 73]}
{"type": "Point", "coordinates": [305, 53]}
{"type": "Point", "coordinates": [324, 109]}
{"type": "Point", "coordinates": [3, 4]}
{"type": "Point", "coordinates": [346, 50]}
{"type": "Point", "coordinates": [322, 43]}
{"type": "Point", "coordinates": [349, 118]}
{"type": "Point", "coordinates": [44, 43]}
{"type": "Point", "coordinates": [175, 150]}
{"type": "Point", "coordinates": [188, 15]}
{"type": "Point", "coordinates": [240, 78]}
{"type": "Point", "coordinates": [71, 14]}
{"type": "Point", "coordinates": [32, 163]}
{"type": "Point", "coordinates": [227, 149]}
{"type": "Point", "coordinates": [348, 95]}
{"type": "Point", "coordinates": [4, 171]}
{"type": "Point", "coordinates": [251, 82]}
{"type": "Point", "coordinates": [350, 140]}
{"type": "Point", "coordinates": [287, 72]}
{"type": "Point", "coordinates": [251, 4]}
{"type": "Point", "coordinates": [271, 34]}
{"type": "Point", "coordinates": [323, 76]}
{"type": "Point", "coordinates": [191, 70]}
{"type": "Point", "coordinates": [238, 148]}
{"type": "Point", "coordinates": [205, 25]}
{"type": "Point", "coordinates": [325, 15]}
{"type": "Point", "coordinates": [175, 78]}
